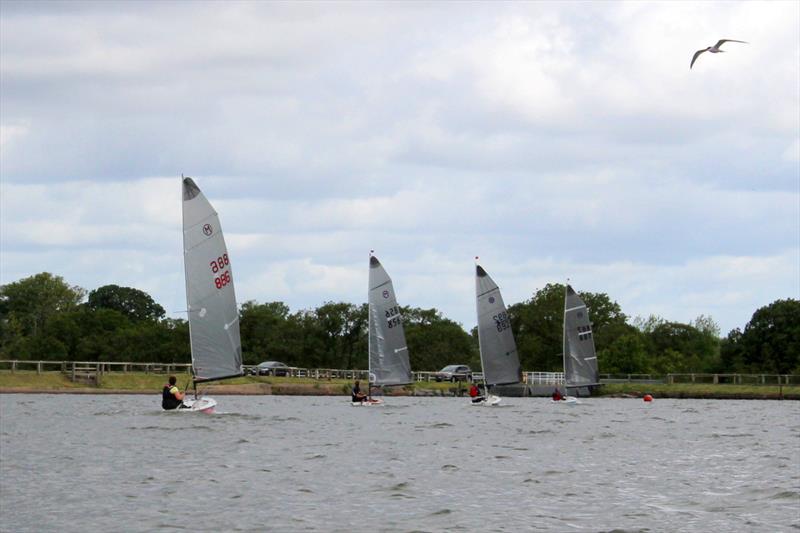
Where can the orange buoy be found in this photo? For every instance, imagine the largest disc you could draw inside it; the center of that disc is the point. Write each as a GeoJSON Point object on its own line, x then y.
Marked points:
{"type": "Point", "coordinates": [648, 398]}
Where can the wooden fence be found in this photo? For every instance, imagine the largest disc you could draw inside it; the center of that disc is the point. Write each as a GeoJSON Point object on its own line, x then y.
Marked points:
{"type": "Point", "coordinates": [99, 368]}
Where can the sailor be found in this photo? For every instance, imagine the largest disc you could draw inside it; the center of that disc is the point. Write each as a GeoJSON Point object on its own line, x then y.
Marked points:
{"type": "Point", "coordinates": [171, 396]}
{"type": "Point", "coordinates": [357, 395]}
{"type": "Point", "coordinates": [475, 394]}
{"type": "Point", "coordinates": [557, 395]}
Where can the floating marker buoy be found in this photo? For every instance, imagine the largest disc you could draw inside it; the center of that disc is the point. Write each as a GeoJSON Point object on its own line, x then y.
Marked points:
{"type": "Point", "coordinates": [648, 398]}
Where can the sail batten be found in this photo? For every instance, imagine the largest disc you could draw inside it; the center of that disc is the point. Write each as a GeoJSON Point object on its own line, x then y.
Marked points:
{"type": "Point", "coordinates": [580, 359]}
{"type": "Point", "coordinates": [211, 301]}
{"type": "Point", "coordinates": [499, 357]}
{"type": "Point", "coordinates": [388, 353]}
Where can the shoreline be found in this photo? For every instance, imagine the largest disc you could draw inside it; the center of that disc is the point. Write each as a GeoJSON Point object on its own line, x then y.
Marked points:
{"type": "Point", "coordinates": [152, 384]}
{"type": "Point", "coordinates": [422, 393]}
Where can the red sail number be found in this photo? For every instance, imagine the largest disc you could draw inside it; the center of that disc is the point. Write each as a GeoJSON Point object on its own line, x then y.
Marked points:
{"type": "Point", "coordinates": [223, 279]}
{"type": "Point", "coordinates": [219, 263]}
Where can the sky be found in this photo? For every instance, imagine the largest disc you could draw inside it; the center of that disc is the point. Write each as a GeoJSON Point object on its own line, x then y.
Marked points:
{"type": "Point", "coordinates": [555, 141]}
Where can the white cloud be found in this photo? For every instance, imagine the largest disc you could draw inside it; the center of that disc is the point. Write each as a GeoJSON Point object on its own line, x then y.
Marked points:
{"type": "Point", "coordinates": [552, 139]}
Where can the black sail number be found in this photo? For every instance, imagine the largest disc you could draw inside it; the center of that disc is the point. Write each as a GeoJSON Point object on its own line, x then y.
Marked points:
{"type": "Point", "coordinates": [393, 318]}
{"type": "Point", "coordinates": [501, 321]}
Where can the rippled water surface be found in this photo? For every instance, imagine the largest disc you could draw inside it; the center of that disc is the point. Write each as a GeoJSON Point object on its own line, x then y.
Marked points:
{"type": "Point", "coordinates": [118, 463]}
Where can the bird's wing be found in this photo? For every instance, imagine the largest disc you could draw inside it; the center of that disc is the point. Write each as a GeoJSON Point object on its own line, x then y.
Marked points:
{"type": "Point", "coordinates": [694, 58]}
{"type": "Point", "coordinates": [719, 43]}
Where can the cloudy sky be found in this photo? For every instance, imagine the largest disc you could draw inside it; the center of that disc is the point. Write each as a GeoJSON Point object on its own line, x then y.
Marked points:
{"type": "Point", "coordinates": [553, 140]}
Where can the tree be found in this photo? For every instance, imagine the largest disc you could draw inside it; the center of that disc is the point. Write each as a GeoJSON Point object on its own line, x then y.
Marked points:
{"type": "Point", "coordinates": [434, 341]}
{"type": "Point", "coordinates": [32, 301]}
{"type": "Point", "coordinates": [269, 332]}
{"type": "Point", "coordinates": [626, 355]}
{"type": "Point", "coordinates": [770, 342]}
{"type": "Point", "coordinates": [538, 325]}
{"type": "Point", "coordinates": [680, 347]}
{"type": "Point", "coordinates": [133, 303]}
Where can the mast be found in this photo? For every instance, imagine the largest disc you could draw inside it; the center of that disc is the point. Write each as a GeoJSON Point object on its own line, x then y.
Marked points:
{"type": "Point", "coordinates": [564, 339]}
{"type": "Point", "coordinates": [478, 318]}
{"type": "Point", "coordinates": [186, 284]}
{"type": "Point", "coordinates": [369, 337]}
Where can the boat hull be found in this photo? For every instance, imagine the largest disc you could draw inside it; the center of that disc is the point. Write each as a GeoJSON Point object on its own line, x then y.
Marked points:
{"type": "Point", "coordinates": [489, 401]}
{"type": "Point", "coordinates": [368, 403]}
{"type": "Point", "coordinates": [569, 400]}
{"type": "Point", "coordinates": [200, 405]}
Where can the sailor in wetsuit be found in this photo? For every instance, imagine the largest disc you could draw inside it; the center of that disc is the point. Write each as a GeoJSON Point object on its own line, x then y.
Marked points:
{"type": "Point", "coordinates": [171, 396]}
{"type": "Point", "coordinates": [357, 395]}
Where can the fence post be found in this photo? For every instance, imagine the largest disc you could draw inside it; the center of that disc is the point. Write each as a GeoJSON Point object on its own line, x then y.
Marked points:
{"type": "Point", "coordinates": [13, 366]}
{"type": "Point", "coordinates": [38, 367]}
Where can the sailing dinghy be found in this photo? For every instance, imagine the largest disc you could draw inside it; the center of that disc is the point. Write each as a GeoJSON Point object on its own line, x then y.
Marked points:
{"type": "Point", "coordinates": [499, 358]}
{"type": "Point", "coordinates": [213, 315]}
{"type": "Point", "coordinates": [580, 358]}
{"type": "Point", "coordinates": [388, 353]}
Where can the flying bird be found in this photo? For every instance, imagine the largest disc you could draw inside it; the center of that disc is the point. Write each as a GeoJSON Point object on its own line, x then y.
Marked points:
{"type": "Point", "coordinates": [714, 49]}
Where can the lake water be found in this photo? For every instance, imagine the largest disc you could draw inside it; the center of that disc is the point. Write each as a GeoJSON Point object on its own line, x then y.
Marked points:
{"type": "Point", "coordinates": [281, 463]}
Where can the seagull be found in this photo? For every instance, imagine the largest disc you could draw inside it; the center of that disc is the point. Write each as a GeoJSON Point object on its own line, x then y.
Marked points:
{"type": "Point", "coordinates": [714, 49]}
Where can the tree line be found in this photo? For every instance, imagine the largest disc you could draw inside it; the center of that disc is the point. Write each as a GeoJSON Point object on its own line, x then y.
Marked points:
{"type": "Point", "coordinates": [42, 317]}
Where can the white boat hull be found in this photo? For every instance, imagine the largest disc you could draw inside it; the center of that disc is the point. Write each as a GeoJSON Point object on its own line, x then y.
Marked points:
{"type": "Point", "coordinates": [368, 403]}
{"type": "Point", "coordinates": [200, 405]}
{"type": "Point", "coordinates": [489, 401]}
{"type": "Point", "coordinates": [569, 400]}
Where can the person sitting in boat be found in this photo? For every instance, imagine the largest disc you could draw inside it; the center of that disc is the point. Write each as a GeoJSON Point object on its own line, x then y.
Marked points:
{"type": "Point", "coordinates": [557, 397]}
{"type": "Point", "coordinates": [357, 395]}
{"type": "Point", "coordinates": [475, 394]}
{"type": "Point", "coordinates": [171, 396]}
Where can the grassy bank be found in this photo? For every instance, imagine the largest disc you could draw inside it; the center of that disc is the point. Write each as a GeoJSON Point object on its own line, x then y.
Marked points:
{"type": "Point", "coordinates": [141, 383]}
{"type": "Point", "coordinates": [702, 390]}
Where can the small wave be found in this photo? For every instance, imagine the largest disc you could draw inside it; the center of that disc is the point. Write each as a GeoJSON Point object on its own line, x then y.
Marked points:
{"type": "Point", "coordinates": [441, 512]}
{"type": "Point", "coordinates": [316, 456]}
{"type": "Point", "coordinates": [730, 435]}
{"type": "Point", "coordinates": [284, 419]}
{"type": "Point", "coordinates": [785, 495]}
{"type": "Point", "coordinates": [449, 468]}
{"type": "Point", "coordinates": [441, 425]}
{"type": "Point", "coordinates": [242, 441]}
{"type": "Point", "coordinates": [400, 486]}
{"type": "Point", "coordinates": [306, 491]}
{"type": "Point", "coordinates": [539, 431]}
{"type": "Point", "coordinates": [239, 416]}
{"type": "Point", "coordinates": [502, 457]}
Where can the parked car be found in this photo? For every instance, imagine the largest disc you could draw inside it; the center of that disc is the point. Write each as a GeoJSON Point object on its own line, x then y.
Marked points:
{"type": "Point", "coordinates": [272, 368]}
{"type": "Point", "coordinates": [454, 373]}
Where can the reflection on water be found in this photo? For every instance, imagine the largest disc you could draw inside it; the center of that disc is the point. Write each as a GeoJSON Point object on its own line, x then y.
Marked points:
{"type": "Point", "coordinates": [114, 463]}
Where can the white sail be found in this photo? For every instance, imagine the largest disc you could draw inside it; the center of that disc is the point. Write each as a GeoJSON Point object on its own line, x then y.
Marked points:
{"type": "Point", "coordinates": [213, 315]}
{"type": "Point", "coordinates": [499, 357]}
{"type": "Point", "coordinates": [388, 353]}
{"type": "Point", "coordinates": [580, 359]}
